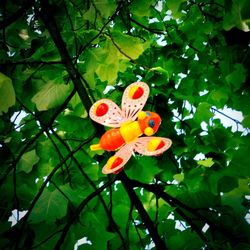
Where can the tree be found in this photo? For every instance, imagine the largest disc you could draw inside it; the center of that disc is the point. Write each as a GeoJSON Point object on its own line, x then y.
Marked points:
{"type": "Point", "coordinates": [58, 58]}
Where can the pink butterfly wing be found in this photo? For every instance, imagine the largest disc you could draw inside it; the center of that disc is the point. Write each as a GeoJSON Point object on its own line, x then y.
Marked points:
{"type": "Point", "coordinates": [142, 145]}
{"type": "Point", "coordinates": [124, 153]}
{"type": "Point", "coordinates": [134, 101]}
{"type": "Point", "coordinates": [107, 113]}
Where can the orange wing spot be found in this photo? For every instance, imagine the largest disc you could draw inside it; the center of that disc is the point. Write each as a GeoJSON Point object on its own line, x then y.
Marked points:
{"type": "Point", "coordinates": [101, 109]}
{"type": "Point", "coordinates": [136, 92]}
{"type": "Point", "coordinates": [154, 144]}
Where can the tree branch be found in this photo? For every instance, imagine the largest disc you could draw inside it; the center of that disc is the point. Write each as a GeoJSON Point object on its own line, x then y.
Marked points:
{"type": "Point", "coordinates": [159, 243]}
{"type": "Point", "coordinates": [24, 62]}
{"type": "Point", "coordinates": [14, 17]}
{"type": "Point", "coordinates": [79, 210]}
{"type": "Point", "coordinates": [48, 19]}
{"type": "Point", "coordinates": [43, 186]}
{"type": "Point", "coordinates": [92, 184]}
{"type": "Point", "coordinates": [155, 31]}
{"type": "Point", "coordinates": [33, 139]}
{"type": "Point", "coordinates": [157, 190]}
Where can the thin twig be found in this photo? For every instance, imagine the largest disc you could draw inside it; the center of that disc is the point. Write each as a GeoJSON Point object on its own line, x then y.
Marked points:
{"type": "Point", "coordinates": [19, 13]}
{"type": "Point", "coordinates": [159, 244]}
{"type": "Point", "coordinates": [112, 221]}
{"type": "Point", "coordinates": [79, 210]}
{"type": "Point", "coordinates": [43, 186]}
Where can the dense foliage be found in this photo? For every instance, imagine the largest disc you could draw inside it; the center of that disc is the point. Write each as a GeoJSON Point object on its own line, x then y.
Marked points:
{"type": "Point", "coordinates": [58, 58]}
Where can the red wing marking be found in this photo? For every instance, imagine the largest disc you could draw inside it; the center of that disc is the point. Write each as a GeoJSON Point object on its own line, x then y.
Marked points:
{"type": "Point", "coordinates": [107, 113]}
{"type": "Point", "coordinates": [116, 163]}
{"type": "Point", "coordinates": [134, 99]}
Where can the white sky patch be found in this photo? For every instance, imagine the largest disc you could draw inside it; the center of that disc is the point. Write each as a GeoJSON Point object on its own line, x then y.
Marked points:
{"type": "Point", "coordinates": [181, 76]}
{"type": "Point", "coordinates": [139, 77]}
{"type": "Point", "coordinates": [150, 246]}
{"type": "Point", "coordinates": [204, 92]}
{"type": "Point", "coordinates": [17, 117]}
{"type": "Point", "coordinates": [16, 216]}
{"type": "Point", "coordinates": [171, 216]}
{"type": "Point", "coordinates": [158, 6]}
{"type": "Point", "coordinates": [168, 16]}
{"type": "Point", "coordinates": [161, 41]}
{"type": "Point", "coordinates": [107, 89]}
{"type": "Point", "coordinates": [199, 157]}
{"type": "Point", "coordinates": [180, 225]}
{"type": "Point", "coordinates": [153, 20]}
{"type": "Point", "coordinates": [196, 58]}
{"type": "Point", "coordinates": [247, 217]}
{"type": "Point", "coordinates": [82, 241]}
{"type": "Point", "coordinates": [226, 120]}
{"type": "Point", "coordinates": [100, 184]}
{"type": "Point", "coordinates": [205, 228]}
{"type": "Point", "coordinates": [116, 184]}
{"type": "Point", "coordinates": [175, 112]}
{"type": "Point", "coordinates": [204, 126]}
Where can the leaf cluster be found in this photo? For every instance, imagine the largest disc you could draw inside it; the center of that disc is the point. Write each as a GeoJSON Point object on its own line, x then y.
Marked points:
{"type": "Point", "coordinates": [58, 58]}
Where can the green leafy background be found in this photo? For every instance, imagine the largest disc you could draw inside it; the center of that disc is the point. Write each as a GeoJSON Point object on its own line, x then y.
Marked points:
{"type": "Point", "coordinates": [58, 58]}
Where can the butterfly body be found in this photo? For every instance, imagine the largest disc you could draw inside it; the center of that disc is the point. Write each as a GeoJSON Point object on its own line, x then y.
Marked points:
{"type": "Point", "coordinates": [129, 124]}
{"type": "Point", "coordinates": [129, 131]}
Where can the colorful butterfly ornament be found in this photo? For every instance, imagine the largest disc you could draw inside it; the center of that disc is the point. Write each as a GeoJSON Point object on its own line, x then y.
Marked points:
{"type": "Point", "coordinates": [126, 130]}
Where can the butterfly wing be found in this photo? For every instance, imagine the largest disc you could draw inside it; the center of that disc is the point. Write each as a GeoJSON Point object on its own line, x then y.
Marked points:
{"type": "Point", "coordinates": [116, 163]}
{"type": "Point", "coordinates": [107, 113]}
{"type": "Point", "coordinates": [134, 99]}
{"type": "Point", "coordinates": [152, 145]}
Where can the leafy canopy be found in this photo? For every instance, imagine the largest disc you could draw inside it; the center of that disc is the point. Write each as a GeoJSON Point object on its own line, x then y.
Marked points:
{"type": "Point", "coordinates": [58, 58]}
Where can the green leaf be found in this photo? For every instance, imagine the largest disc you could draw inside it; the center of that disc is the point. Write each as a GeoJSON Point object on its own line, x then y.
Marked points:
{"type": "Point", "coordinates": [246, 121]}
{"type": "Point", "coordinates": [27, 161]}
{"type": "Point", "coordinates": [174, 6]}
{"type": "Point", "coordinates": [161, 70]}
{"type": "Point", "coordinates": [186, 239]}
{"type": "Point", "coordinates": [237, 14]}
{"type": "Point", "coordinates": [105, 7]}
{"type": "Point", "coordinates": [191, 64]}
{"type": "Point", "coordinates": [208, 163]}
{"type": "Point", "coordinates": [87, 35]}
{"type": "Point", "coordinates": [144, 168]}
{"type": "Point", "coordinates": [7, 93]}
{"type": "Point", "coordinates": [95, 229]}
{"type": "Point", "coordinates": [120, 213]}
{"type": "Point", "coordinates": [239, 165]}
{"type": "Point", "coordinates": [235, 197]}
{"type": "Point", "coordinates": [179, 177]}
{"type": "Point", "coordinates": [129, 46]}
{"type": "Point", "coordinates": [203, 113]}
{"type": "Point", "coordinates": [218, 97]}
{"type": "Point", "coordinates": [51, 205]}
{"type": "Point", "coordinates": [51, 95]}
{"type": "Point", "coordinates": [108, 72]}
{"type": "Point", "coordinates": [141, 8]}
{"type": "Point", "coordinates": [74, 126]}
{"type": "Point", "coordinates": [90, 14]}
{"type": "Point", "coordinates": [237, 77]}
{"type": "Point", "coordinates": [227, 183]}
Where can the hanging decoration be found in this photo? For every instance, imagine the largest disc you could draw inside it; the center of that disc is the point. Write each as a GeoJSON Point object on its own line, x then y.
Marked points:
{"type": "Point", "coordinates": [128, 124]}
